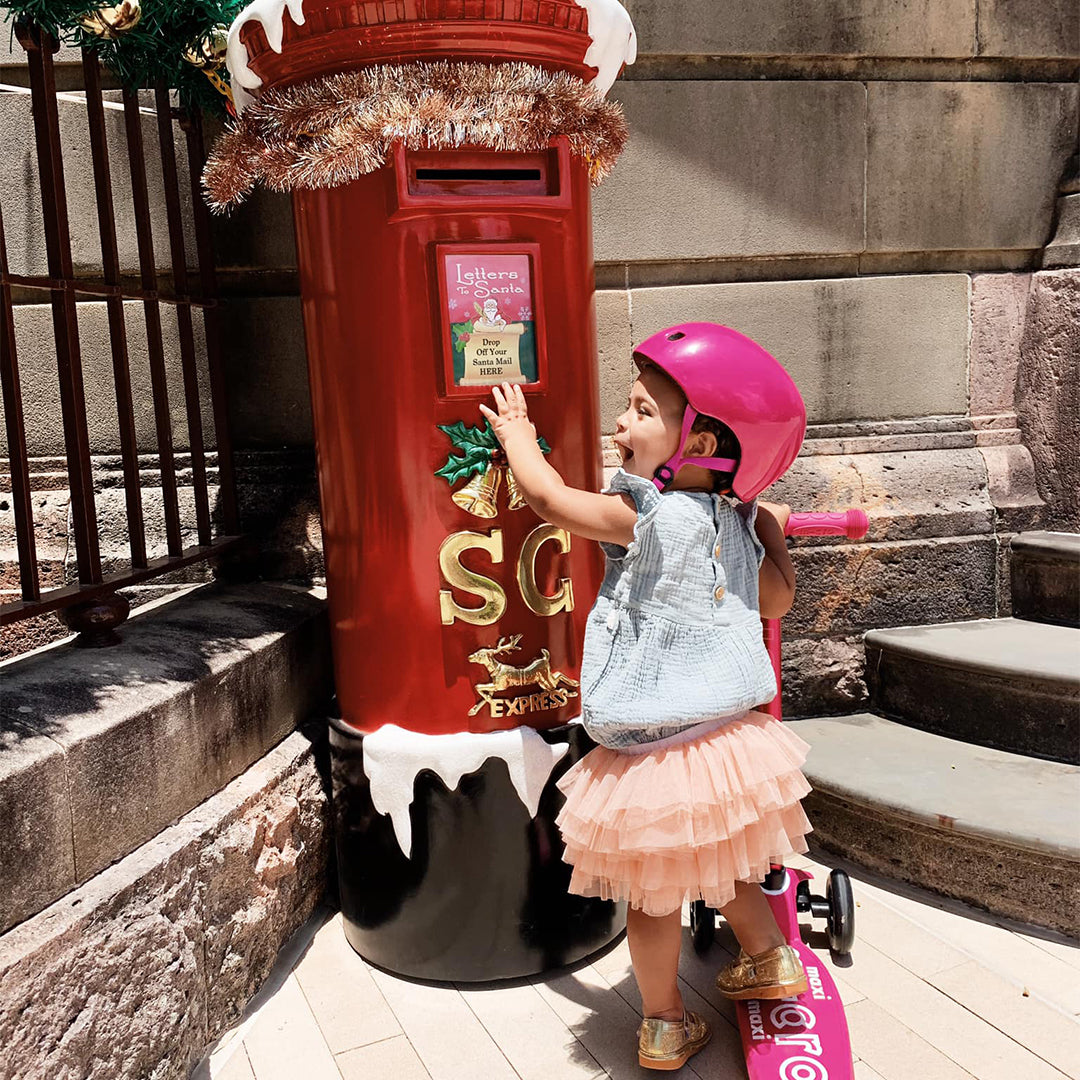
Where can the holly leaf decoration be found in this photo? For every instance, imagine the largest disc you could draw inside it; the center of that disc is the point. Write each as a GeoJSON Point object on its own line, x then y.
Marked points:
{"type": "Point", "coordinates": [479, 444]}
{"type": "Point", "coordinates": [476, 460]}
{"type": "Point", "coordinates": [462, 332]}
{"type": "Point", "coordinates": [542, 443]}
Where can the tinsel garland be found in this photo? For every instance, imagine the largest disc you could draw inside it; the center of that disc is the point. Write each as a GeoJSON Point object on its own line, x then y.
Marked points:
{"type": "Point", "coordinates": [330, 130]}
{"type": "Point", "coordinates": [150, 51]}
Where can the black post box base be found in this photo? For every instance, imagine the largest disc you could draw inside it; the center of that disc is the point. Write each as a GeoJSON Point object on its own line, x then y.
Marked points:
{"type": "Point", "coordinates": [483, 894]}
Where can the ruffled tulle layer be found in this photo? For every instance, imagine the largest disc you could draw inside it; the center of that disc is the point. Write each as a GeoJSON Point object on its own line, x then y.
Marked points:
{"type": "Point", "coordinates": [687, 821]}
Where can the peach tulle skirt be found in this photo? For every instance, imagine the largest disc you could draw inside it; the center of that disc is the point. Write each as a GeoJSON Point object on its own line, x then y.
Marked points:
{"type": "Point", "coordinates": [685, 821]}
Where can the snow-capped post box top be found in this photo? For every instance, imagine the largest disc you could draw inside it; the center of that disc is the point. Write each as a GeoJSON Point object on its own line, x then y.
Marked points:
{"type": "Point", "coordinates": [339, 82]}
{"type": "Point", "coordinates": [591, 38]}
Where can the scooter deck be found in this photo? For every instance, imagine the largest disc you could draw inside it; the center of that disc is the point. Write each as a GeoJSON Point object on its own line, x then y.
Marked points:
{"type": "Point", "coordinates": [796, 1038]}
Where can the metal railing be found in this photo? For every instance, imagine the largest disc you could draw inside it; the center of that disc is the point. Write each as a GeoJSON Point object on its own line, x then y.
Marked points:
{"type": "Point", "coordinates": [91, 605]}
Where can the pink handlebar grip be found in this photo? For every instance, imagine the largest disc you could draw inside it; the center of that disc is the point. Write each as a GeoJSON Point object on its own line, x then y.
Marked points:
{"type": "Point", "coordinates": [850, 523]}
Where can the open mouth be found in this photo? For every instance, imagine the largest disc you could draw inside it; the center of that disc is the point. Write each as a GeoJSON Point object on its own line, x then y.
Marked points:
{"type": "Point", "coordinates": [625, 453]}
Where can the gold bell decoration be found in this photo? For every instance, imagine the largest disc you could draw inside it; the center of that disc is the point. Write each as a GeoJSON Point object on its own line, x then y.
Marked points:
{"type": "Point", "coordinates": [478, 495]}
{"type": "Point", "coordinates": [112, 20]}
{"type": "Point", "coordinates": [515, 500]}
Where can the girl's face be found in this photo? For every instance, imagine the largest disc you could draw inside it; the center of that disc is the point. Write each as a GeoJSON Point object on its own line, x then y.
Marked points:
{"type": "Point", "coordinates": [647, 434]}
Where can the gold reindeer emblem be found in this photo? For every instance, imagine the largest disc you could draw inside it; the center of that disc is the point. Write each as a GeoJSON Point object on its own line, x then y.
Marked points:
{"type": "Point", "coordinates": [507, 677]}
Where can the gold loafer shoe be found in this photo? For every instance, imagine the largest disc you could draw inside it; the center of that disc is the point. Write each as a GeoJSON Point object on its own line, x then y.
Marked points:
{"type": "Point", "coordinates": [669, 1044]}
{"type": "Point", "coordinates": [777, 973]}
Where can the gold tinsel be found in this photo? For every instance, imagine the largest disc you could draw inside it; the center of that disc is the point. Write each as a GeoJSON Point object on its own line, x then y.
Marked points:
{"type": "Point", "coordinates": [330, 130]}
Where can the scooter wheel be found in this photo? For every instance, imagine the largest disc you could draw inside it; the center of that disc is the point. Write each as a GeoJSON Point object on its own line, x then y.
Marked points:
{"type": "Point", "coordinates": [841, 917]}
{"type": "Point", "coordinates": [702, 926]}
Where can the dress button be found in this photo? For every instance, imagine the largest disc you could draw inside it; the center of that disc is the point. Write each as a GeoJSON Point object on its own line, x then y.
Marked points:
{"type": "Point", "coordinates": [719, 594]}
{"type": "Point", "coordinates": [716, 551]}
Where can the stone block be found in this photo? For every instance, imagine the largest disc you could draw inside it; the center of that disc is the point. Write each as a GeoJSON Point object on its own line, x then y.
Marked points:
{"type": "Point", "coordinates": [998, 310]}
{"type": "Point", "coordinates": [615, 344]}
{"type": "Point", "coordinates": [965, 166]}
{"type": "Point", "coordinates": [856, 347]}
{"type": "Point", "coordinates": [37, 862]}
{"type": "Point", "coordinates": [906, 495]}
{"type": "Point", "coordinates": [787, 28]}
{"type": "Point", "coordinates": [1034, 28]}
{"type": "Point", "coordinates": [22, 195]}
{"type": "Point", "coordinates": [822, 676]}
{"type": "Point", "coordinates": [132, 974]}
{"type": "Point", "coordinates": [36, 353]}
{"type": "Point", "coordinates": [847, 588]}
{"type": "Point", "coordinates": [192, 695]}
{"type": "Point", "coordinates": [737, 169]}
{"type": "Point", "coordinates": [1064, 247]}
{"type": "Point", "coordinates": [1048, 395]}
{"type": "Point", "coordinates": [265, 360]}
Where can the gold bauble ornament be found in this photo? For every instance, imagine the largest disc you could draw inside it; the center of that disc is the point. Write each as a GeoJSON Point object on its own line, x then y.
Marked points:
{"type": "Point", "coordinates": [478, 495]}
{"type": "Point", "coordinates": [112, 20]}
{"type": "Point", "coordinates": [208, 52]}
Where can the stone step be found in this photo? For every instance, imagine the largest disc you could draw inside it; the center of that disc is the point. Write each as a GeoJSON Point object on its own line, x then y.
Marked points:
{"type": "Point", "coordinates": [994, 829]}
{"type": "Point", "coordinates": [101, 749]}
{"type": "Point", "coordinates": [1005, 683]}
{"type": "Point", "coordinates": [1044, 568]}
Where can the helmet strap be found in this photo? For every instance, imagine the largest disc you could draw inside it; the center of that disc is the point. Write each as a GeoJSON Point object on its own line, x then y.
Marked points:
{"type": "Point", "coordinates": [665, 474]}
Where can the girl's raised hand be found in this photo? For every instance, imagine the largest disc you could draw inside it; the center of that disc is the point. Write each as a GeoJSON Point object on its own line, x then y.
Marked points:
{"type": "Point", "coordinates": [512, 419]}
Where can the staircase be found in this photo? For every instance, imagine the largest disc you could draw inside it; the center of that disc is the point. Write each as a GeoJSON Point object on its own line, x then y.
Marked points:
{"type": "Point", "coordinates": [965, 777]}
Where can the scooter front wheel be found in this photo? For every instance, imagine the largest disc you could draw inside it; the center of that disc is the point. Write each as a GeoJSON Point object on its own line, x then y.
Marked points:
{"type": "Point", "coordinates": [841, 917]}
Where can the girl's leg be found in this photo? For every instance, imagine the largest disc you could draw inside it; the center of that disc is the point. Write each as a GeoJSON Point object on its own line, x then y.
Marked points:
{"type": "Point", "coordinates": [751, 919]}
{"type": "Point", "coordinates": [654, 950]}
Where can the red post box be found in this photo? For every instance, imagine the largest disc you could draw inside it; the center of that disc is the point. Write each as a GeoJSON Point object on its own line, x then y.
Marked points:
{"type": "Point", "coordinates": [450, 261]}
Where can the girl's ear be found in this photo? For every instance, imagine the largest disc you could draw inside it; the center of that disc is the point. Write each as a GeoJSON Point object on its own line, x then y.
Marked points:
{"type": "Point", "coordinates": [701, 444]}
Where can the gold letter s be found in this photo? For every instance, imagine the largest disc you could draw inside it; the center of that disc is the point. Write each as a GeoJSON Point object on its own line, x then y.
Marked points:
{"type": "Point", "coordinates": [489, 591]}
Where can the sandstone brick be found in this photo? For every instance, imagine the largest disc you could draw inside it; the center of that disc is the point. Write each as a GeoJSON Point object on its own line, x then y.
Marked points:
{"type": "Point", "coordinates": [1048, 399]}
{"type": "Point", "coordinates": [980, 163]}
{"type": "Point", "coordinates": [37, 863]}
{"type": "Point", "coordinates": [847, 588]}
{"type": "Point", "coordinates": [856, 347]}
{"type": "Point", "coordinates": [998, 310]}
{"type": "Point", "coordinates": [784, 28]}
{"type": "Point", "coordinates": [716, 169]}
{"type": "Point", "coordinates": [1029, 28]}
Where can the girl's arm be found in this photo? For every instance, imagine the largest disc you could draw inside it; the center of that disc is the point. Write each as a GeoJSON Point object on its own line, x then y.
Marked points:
{"type": "Point", "coordinates": [610, 518]}
{"type": "Point", "coordinates": [776, 578]}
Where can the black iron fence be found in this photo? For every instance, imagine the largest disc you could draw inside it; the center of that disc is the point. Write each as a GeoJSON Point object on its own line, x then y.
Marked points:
{"type": "Point", "coordinates": [91, 605]}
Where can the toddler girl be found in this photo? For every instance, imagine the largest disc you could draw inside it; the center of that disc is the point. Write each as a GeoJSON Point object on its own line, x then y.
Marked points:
{"type": "Point", "coordinates": [690, 792]}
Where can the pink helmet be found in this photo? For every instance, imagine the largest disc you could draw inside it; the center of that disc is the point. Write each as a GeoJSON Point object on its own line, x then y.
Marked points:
{"type": "Point", "coordinates": [727, 376]}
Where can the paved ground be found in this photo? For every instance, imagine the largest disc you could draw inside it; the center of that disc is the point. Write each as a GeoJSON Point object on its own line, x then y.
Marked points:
{"type": "Point", "coordinates": [934, 991]}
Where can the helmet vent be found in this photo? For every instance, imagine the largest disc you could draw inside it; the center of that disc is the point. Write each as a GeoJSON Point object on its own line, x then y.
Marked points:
{"type": "Point", "coordinates": [675, 337]}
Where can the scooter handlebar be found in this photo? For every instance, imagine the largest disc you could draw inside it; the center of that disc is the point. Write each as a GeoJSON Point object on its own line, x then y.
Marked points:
{"type": "Point", "coordinates": [850, 523]}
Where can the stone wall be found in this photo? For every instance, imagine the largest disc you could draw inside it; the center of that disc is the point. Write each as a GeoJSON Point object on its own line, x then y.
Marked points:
{"type": "Point", "coordinates": [131, 975]}
{"type": "Point", "coordinates": [871, 190]}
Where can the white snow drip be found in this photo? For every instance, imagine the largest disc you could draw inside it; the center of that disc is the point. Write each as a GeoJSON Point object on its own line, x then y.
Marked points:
{"type": "Point", "coordinates": [271, 13]}
{"type": "Point", "coordinates": [393, 756]}
{"type": "Point", "coordinates": [614, 40]}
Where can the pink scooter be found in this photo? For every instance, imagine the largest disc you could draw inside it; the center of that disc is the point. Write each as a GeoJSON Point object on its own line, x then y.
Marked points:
{"type": "Point", "coordinates": [804, 1037]}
